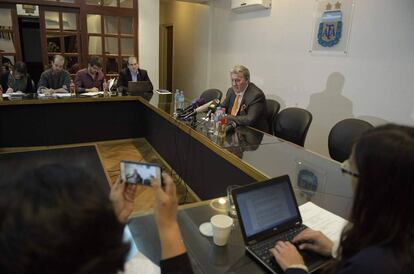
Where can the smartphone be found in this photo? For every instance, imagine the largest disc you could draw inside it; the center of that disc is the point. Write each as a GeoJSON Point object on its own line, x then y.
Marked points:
{"type": "Point", "coordinates": [139, 173]}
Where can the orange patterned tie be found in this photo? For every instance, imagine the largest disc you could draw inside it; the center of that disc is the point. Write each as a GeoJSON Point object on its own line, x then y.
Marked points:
{"type": "Point", "coordinates": [235, 104]}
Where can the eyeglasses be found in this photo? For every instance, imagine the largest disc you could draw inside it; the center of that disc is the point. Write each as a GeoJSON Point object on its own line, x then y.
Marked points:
{"type": "Point", "coordinates": [346, 169]}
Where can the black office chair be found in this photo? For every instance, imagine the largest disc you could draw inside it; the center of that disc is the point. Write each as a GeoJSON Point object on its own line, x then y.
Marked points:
{"type": "Point", "coordinates": [292, 124]}
{"type": "Point", "coordinates": [211, 94]}
{"type": "Point", "coordinates": [342, 136]}
{"type": "Point", "coordinates": [272, 108]}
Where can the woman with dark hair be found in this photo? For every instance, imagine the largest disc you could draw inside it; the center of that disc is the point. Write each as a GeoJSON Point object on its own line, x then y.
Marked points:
{"type": "Point", "coordinates": [380, 235]}
{"type": "Point", "coordinates": [19, 79]}
{"type": "Point", "coordinates": [59, 219]}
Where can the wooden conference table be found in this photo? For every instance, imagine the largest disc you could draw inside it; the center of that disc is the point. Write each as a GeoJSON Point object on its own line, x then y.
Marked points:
{"type": "Point", "coordinates": [207, 164]}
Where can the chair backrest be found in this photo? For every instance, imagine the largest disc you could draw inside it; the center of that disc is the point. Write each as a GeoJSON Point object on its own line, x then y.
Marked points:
{"type": "Point", "coordinates": [211, 94]}
{"type": "Point", "coordinates": [292, 124]}
{"type": "Point", "coordinates": [342, 136]}
{"type": "Point", "coordinates": [272, 108]}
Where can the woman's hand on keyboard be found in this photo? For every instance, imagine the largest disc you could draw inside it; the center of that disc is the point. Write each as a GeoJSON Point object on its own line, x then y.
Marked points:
{"type": "Point", "coordinates": [286, 255]}
{"type": "Point", "coordinates": [315, 241]}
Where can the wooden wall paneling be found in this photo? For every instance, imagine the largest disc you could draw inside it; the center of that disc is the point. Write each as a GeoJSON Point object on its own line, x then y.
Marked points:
{"type": "Point", "coordinates": [16, 34]}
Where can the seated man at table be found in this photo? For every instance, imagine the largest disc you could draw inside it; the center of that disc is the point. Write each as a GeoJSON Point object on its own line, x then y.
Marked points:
{"type": "Point", "coordinates": [245, 103]}
{"type": "Point", "coordinates": [132, 73]}
{"type": "Point", "coordinates": [57, 219]}
{"type": "Point", "coordinates": [55, 79]}
{"type": "Point", "coordinates": [90, 78]}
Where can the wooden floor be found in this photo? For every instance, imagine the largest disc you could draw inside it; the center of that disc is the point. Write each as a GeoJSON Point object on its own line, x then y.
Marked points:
{"type": "Point", "coordinates": [112, 152]}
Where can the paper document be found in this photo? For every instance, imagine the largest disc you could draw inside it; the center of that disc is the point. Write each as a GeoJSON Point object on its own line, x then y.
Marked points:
{"type": "Point", "coordinates": [140, 264]}
{"type": "Point", "coordinates": [13, 94]}
{"type": "Point", "coordinates": [62, 95]}
{"type": "Point", "coordinates": [111, 83]}
{"type": "Point", "coordinates": [318, 218]}
{"type": "Point", "coordinates": [163, 91]}
{"type": "Point", "coordinates": [136, 262]}
{"type": "Point", "coordinates": [92, 93]}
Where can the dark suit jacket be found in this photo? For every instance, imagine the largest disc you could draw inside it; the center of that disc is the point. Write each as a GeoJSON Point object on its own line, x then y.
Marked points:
{"type": "Point", "coordinates": [125, 76]}
{"type": "Point", "coordinates": [370, 260]}
{"type": "Point", "coordinates": [252, 110]}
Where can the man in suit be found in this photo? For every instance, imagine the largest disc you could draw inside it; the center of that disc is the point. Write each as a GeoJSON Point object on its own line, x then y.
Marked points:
{"type": "Point", "coordinates": [132, 73]}
{"type": "Point", "coordinates": [245, 103]}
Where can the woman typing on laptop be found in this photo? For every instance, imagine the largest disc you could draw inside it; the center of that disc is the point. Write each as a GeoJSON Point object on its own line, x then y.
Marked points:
{"type": "Point", "coordinates": [380, 235]}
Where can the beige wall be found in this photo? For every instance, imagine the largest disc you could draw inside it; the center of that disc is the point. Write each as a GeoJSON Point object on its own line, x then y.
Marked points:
{"type": "Point", "coordinates": [191, 45]}
{"type": "Point", "coordinates": [149, 21]}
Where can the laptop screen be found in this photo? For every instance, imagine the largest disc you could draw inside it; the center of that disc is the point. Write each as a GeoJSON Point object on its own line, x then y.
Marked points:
{"type": "Point", "coordinates": [267, 206]}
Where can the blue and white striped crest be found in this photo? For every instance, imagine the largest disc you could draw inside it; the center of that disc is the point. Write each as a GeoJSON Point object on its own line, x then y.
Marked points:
{"type": "Point", "coordinates": [330, 28]}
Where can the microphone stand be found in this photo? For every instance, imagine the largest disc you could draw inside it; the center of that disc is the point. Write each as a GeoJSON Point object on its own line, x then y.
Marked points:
{"type": "Point", "coordinates": [193, 120]}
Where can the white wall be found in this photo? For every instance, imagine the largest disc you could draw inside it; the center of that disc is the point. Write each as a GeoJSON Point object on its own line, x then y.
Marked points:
{"type": "Point", "coordinates": [374, 82]}
{"type": "Point", "coordinates": [148, 37]}
{"type": "Point", "coordinates": [191, 41]}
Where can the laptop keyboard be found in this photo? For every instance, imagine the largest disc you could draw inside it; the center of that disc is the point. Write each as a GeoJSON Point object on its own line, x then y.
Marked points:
{"type": "Point", "coordinates": [262, 249]}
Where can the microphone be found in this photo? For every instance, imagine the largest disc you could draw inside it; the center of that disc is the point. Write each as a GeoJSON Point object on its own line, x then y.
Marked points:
{"type": "Point", "coordinates": [202, 108]}
{"type": "Point", "coordinates": [194, 104]}
{"type": "Point", "coordinates": [212, 107]}
{"type": "Point", "coordinates": [231, 125]}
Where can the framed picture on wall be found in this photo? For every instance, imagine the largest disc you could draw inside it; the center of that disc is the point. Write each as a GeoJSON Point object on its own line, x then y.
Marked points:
{"type": "Point", "coordinates": [332, 27]}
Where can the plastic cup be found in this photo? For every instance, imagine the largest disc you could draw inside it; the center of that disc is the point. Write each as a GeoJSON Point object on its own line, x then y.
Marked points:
{"type": "Point", "coordinates": [222, 225]}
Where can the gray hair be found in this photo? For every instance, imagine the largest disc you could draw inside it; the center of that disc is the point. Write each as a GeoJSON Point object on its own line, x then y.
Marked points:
{"type": "Point", "coordinates": [241, 69]}
{"type": "Point", "coordinates": [58, 58]}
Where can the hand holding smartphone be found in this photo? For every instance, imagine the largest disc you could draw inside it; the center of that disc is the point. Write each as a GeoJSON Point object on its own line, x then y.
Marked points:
{"type": "Point", "coordinates": [139, 173]}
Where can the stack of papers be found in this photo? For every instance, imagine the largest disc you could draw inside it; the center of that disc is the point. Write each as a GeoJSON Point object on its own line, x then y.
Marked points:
{"type": "Point", "coordinates": [320, 219]}
{"type": "Point", "coordinates": [13, 94]}
{"type": "Point", "coordinates": [62, 95]}
{"type": "Point", "coordinates": [92, 93]}
{"type": "Point", "coordinates": [163, 91]}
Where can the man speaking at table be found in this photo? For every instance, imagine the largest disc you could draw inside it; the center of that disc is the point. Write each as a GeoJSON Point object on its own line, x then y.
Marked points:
{"type": "Point", "coordinates": [132, 73]}
{"type": "Point", "coordinates": [245, 103]}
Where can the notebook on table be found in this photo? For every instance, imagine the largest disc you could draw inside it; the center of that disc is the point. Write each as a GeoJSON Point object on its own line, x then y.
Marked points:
{"type": "Point", "coordinates": [268, 212]}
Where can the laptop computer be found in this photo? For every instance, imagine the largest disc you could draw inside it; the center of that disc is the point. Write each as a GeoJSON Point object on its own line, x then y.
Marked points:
{"type": "Point", "coordinates": [139, 88]}
{"type": "Point", "coordinates": [268, 212]}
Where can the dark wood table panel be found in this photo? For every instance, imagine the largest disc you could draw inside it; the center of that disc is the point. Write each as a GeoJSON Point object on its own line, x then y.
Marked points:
{"type": "Point", "coordinates": [85, 157]}
{"type": "Point", "coordinates": [206, 172]}
{"type": "Point", "coordinates": [67, 123]}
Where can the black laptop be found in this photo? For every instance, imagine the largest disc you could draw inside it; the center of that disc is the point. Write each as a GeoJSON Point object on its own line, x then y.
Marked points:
{"type": "Point", "coordinates": [139, 87]}
{"type": "Point", "coordinates": [268, 212]}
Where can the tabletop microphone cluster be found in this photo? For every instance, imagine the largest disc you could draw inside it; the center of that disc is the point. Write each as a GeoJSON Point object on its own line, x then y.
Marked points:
{"type": "Point", "coordinates": [231, 126]}
{"type": "Point", "coordinates": [197, 107]}
{"type": "Point", "coordinates": [190, 109]}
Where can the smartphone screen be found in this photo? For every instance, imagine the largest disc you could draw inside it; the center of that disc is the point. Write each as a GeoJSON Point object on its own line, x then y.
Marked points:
{"type": "Point", "coordinates": [139, 173]}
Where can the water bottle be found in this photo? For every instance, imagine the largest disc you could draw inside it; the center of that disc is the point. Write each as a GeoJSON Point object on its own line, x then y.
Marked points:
{"type": "Point", "coordinates": [72, 88]}
{"type": "Point", "coordinates": [105, 88]}
{"type": "Point", "coordinates": [217, 114]}
{"type": "Point", "coordinates": [217, 118]}
{"type": "Point", "coordinates": [176, 100]}
{"type": "Point", "coordinates": [182, 100]}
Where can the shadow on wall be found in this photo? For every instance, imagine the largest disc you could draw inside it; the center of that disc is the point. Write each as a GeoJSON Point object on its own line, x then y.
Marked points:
{"type": "Point", "coordinates": [327, 107]}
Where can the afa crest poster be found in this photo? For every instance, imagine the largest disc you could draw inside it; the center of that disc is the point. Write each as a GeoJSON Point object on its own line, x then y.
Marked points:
{"type": "Point", "coordinates": [332, 27]}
